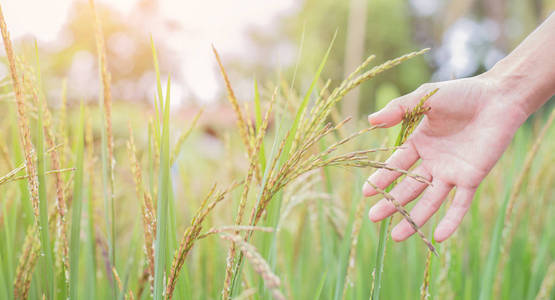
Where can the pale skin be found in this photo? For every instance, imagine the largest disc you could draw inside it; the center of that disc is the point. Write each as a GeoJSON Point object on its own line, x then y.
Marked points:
{"type": "Point", "coordinates": [470, 123]}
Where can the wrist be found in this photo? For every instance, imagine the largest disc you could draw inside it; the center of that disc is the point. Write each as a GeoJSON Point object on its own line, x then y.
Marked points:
{"type": "Point", "coordinates": [518, 85]}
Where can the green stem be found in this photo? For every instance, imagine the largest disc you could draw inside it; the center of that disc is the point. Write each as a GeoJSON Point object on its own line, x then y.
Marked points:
{"type": "Point", "coordinates": [76, 212]}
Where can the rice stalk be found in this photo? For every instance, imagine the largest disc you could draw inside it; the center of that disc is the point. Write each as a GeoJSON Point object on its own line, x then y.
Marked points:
{"type": "Point", "coordinates": [164, 187]}
{"type": "Point", "coordinates": [76, 208]}
{"type": "Point", "coordinates": [300, 139]}
{"type": "Point", "coordinates": [26, 264]}
{"type": "Point", "coordinates": [31, 252]}
{"type": "Point", "coordinates": [6, 156]}
{"type": "Point", "coordinates": [235, 228]}
{"type": "Point", "coordinates": [425, 288]}
{"type": "Point", "coordinates": [241, 121]}
{"type": "Point", "coordinates": [271, 281]}
{"type": "Point", "coordinates": [406, 215]}
{"type": "Point", "coordinates": [62, 123]}
{"type": "Point", "coordinates": [547, 284]}
{"type": "Point", "coordinates": [258, 118]}
{"type": "Point", "coordinates": [23, 123]}
{"type": "Point", "coordinates": [50, 172]}
{"type": "Point", "coordinates": [249, 124]}
{"type": "Point", "coordinates": [143, 279]}
{"type": "Point", "coordinates": [108, 143]}
{"type": "Point", "coordinates": [12, 175]}
{"type": "Point", "coordinates": [43, 228]}
{"type": "Point", "coordinates": [39, 100]}
{"type": "Point", "coordinates": [153, 157]}
{"type": "Point", "coordinates": [445, 289]}
{"type": "Point", "coordinates": [242, 203]}
{"type": "Point", "coordinates": [410, 120]}
{"type": "Point", "coordinates": [246, 294]}
{"type": "Point", "coordinates": [147, 209]}
{"type": "Point", "coordinates": [191, 235]}
{"type": "Point", "coordinates": [323, 107]}
{"type": "Point", "coordinates": [118, 280]}
{"type": "Point", "coordinates": [508, 231]}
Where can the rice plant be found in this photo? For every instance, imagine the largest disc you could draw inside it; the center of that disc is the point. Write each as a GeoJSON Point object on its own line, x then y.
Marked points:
{"type": "Point", "coordinates": [89, 210]}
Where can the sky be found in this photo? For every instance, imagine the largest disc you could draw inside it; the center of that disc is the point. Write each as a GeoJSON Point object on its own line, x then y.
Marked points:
{"type": "Point", "coordinates": [205, 23]}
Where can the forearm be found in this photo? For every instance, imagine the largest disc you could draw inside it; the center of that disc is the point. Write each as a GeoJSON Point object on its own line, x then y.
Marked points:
{"type": "Point", "coordinates": [527, 75]}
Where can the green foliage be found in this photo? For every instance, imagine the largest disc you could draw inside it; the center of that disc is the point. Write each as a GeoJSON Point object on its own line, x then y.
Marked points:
{"type": "Point", "coordinates": [76, 208]}
{"type": "Point", "coordinates": [162, 219]}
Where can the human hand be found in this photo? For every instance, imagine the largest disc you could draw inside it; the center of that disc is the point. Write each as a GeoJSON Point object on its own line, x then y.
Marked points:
{"type": "Point", "coordinates": [469, 125]}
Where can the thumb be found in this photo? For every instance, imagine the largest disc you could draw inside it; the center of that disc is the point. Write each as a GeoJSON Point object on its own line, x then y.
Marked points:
{"type": "Point", "coordinates": [394, 111]}
{"type": "Point", "coordinates": [388, 116]}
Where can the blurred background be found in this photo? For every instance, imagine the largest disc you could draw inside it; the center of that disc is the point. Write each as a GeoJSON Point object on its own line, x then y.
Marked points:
{"type": "Point", "coordinates": [265, 40]}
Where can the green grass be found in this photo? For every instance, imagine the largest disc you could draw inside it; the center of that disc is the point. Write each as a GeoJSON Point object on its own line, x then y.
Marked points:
{"type": "Point", "coordinates": [77, 201]}
{"type": "Point", "coordinates": [47, 259]}
{"type": "Point", "coordinates": [162, 218]}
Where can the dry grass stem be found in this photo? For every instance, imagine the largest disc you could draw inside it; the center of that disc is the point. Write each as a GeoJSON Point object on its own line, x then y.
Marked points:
{"type": "Point", "coordinates": [548, 283]}
{"type": "Point", "coordinates": [241, 122]}
{"type": "Point", "coordinates": [230, 261]}
{"type": "Point", "coordinates": [23, 123]}
{"type": "Point", "coordinates": [413, 117]}
{"type": "Point", "coordinates": [6, 156]}
{"type": "Point", "coordinates": [12, 175]}
{"type": "Point", "coordinates": [147, 206]}
{"type": "Point", "coordinates": [508, 230]}
{"type": "Point", "coordinates": [192, 234]}
{"type": "Point", "coordinates": [235, 228]}
{"type": "Point", "coordinates": [118, 280]}
{"type": "Point", "coordinates": [271, 281]}
{"type": "Point", "coordinates": [425, 288]}
{"type": "Point", "coordinates": [26, 265]}
{"type": "Point", "coordinates": [55, 172]}
{"type": "Point", "coordinates": [405, 214]}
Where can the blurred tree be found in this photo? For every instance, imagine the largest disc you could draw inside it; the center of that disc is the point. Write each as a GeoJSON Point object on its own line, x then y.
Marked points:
{"type": "Point", "coordinates": [73, 54]}
{"type": "Point", "coordinates": [387, 34]}
{"type": "Point", "coordinates": [394, 27]}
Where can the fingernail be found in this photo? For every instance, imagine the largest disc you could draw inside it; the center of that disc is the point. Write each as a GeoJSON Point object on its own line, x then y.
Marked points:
{"type": "Point", "coordinates": [367, 190]}
{"type": "Point", "coordinates": [374, 213]}
{"type": "Point", "coordinates": [372, 116]}
{"type": "Point", "coordinates": [395, 233]}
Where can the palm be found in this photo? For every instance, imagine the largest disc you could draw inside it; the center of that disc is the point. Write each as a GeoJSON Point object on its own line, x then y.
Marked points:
{"type": "Point", "coordinates": [458, 142]}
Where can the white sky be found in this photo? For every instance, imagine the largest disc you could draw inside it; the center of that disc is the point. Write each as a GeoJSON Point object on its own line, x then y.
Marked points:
{"type": "Point", "coordinates": [222, 22]}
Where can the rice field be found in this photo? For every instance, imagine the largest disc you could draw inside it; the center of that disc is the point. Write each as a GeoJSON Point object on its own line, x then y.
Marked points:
{"type": "Point", "coordinates": [109, 200]}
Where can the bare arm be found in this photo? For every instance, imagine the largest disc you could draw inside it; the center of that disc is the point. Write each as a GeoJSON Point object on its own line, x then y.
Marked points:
{"type": "Point", "coordinates": [527, 75]}
{"type": "Point", "coordinates": [470, 123]}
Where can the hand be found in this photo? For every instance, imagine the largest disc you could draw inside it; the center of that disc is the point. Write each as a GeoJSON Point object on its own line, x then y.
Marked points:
{"type": "Point", "coordinates": [468, 127]}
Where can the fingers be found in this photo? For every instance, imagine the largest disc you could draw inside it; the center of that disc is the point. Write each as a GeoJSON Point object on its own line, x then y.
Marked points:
{"type": "Point", "coordinates": [423, 210]}
{"type": "Point", "coordinates": [393, 112]}
{"type": "Point", "coordinates": [404, 192]}
{"type": "Point", "coordinates": [455, 213]}
{"type": "Point", "coordinates": [402, 158]}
